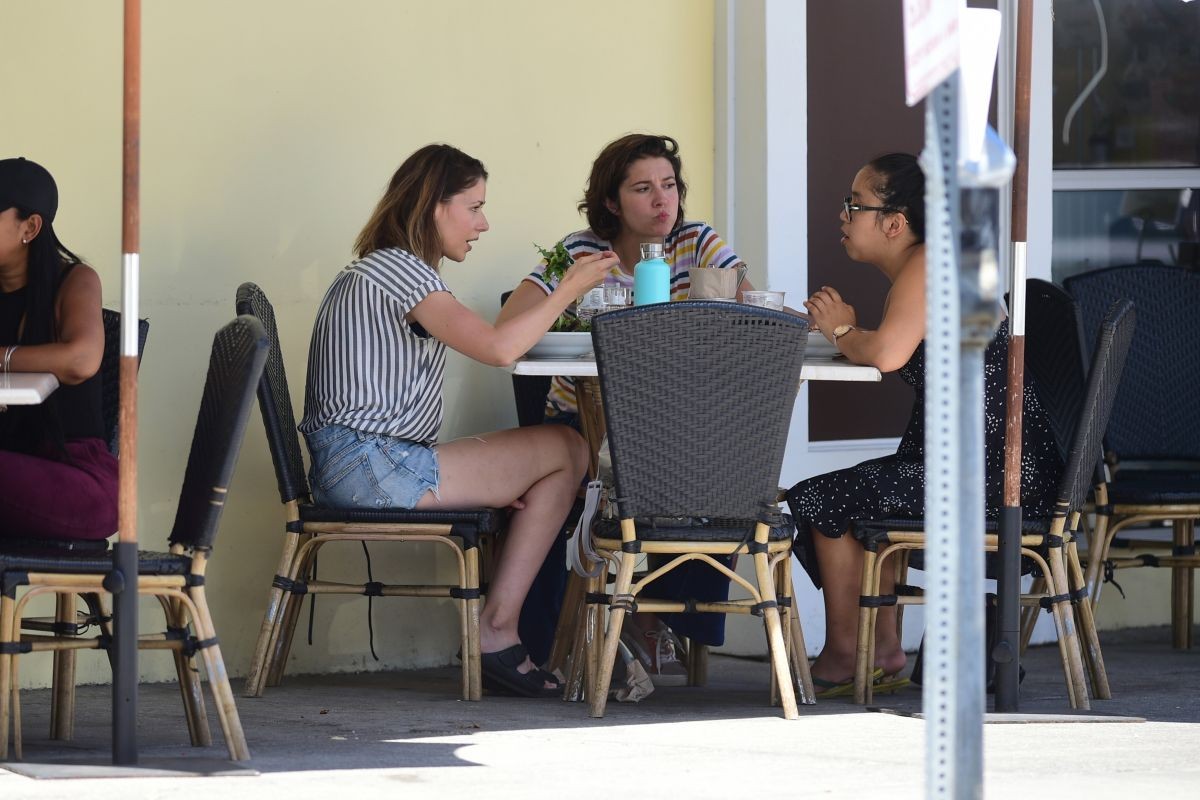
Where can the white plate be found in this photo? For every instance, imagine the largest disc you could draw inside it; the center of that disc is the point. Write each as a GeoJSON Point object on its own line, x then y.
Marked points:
{"type": "Point", "coordinates": [562, 345]}
{"type": "Point", "coordinates": [818, 345]}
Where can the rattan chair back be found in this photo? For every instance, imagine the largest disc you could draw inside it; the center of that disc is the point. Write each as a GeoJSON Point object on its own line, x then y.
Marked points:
{"type": "Point", "coordinates": [1154, 417]}
{"type": "Point", "coordinates": [275, 401]}
{"type": "Point", "coordinates": [1054, 357]}
{"type": "Point", "coordinates": [238, 354]}
{"type": "Point", "coordinates": [110, 372]}
{"type": "Point", "coordinates": [698, 399]}
{"type": "Point", "coordinates": [1113, 343]}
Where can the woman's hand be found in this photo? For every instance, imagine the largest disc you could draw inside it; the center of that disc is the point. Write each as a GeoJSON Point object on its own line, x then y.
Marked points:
{"type": "Point", "coordinates": [588, 272]}
{"type": "Point", "coordinates": [829, 310]}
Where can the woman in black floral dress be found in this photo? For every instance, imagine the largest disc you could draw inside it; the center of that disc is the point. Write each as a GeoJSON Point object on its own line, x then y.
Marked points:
{"type": "Point", "coordinates": [883, 223]}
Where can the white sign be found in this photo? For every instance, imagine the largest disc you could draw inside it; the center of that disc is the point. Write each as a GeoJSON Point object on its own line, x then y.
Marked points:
{"type": "Point", "coordinates": [930, 45]}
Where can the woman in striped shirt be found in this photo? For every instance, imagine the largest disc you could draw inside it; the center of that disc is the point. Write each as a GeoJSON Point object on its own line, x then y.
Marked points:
{"type": "Point", "coordinates": [373, 395]}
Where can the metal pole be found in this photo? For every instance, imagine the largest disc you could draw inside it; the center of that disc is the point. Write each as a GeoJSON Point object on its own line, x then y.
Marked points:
{"type": "Point", "coordinates": [123, 581]}
{"type": "Point", "coordinates": [953, 692]}
{"type": "Point", "coordinates": [1007, 652]}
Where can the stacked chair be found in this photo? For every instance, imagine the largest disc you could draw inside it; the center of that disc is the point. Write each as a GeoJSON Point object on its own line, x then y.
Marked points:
{"type": "Point", "coordinates": [308, 526]}
{"type": "Point", "coordinates": [1153, 440]}
{"type": "Point", "coordinates": [1078, 419]}
{"type": "Point", "coordinates": [176, 578]}
{"type": "Point", "coordinates": [698, 399]}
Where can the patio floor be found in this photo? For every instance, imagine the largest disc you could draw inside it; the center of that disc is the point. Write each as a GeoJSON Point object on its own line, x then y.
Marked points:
{"type": "Point", "coordinates": [404, 733]}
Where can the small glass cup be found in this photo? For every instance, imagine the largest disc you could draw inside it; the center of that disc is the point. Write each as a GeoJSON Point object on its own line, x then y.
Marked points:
{"type": "Point", "coordinates": [615, 296]}
{"type": "Point", "coordinates": [764, 298]}
{"type": "Point", "coordinates": [591, 304]}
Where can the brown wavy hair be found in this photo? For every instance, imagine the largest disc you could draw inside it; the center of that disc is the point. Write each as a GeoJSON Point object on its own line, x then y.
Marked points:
{"type": "Point", "coordinates": [404, 216]}
{"type": "Point", "coordinates": [609, 170]}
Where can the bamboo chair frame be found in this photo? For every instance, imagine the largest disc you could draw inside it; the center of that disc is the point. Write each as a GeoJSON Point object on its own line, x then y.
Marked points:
{"type": "Point", "coordinates": [1182, 560]}
{"type": "Point", "coordinates": [177, 578]}
{"type": "Point", "coordinates": [309, 527]}
{"type": "Point", "coordinates": [1078, 642]}
{"type": "Point", "coordinates": [1054, 550]}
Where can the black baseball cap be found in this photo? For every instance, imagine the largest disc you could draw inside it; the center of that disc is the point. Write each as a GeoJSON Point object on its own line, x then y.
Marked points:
{"type": "Point", "coordinates": [28, 185]}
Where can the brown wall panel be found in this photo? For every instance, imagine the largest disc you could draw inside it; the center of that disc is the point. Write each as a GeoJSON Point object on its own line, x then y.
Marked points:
{"type": "Point", "coordinates": [856, 112]}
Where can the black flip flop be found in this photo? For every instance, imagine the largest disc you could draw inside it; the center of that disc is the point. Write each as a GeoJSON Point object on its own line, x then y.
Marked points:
{"type": "Point", "coordinates": [500, 673]}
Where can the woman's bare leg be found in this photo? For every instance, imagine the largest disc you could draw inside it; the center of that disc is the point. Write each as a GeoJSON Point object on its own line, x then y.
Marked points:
{"type": "Point", "coordinates": [537, 470]}
{"type": "Point", "coordinates": [841, 562]}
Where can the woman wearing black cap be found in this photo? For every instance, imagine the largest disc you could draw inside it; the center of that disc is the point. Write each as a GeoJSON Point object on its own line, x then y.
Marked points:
{"type": "Point", "coordinates": [59, 479]}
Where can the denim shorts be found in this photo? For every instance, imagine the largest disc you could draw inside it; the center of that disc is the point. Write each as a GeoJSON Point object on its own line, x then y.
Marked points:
{"type": "Point", "coordinates": [353, 469]}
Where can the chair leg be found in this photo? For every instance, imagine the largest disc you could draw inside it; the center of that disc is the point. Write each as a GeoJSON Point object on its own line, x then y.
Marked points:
{"type": "Point", "coordinates": [1029, 614]}
{"type": "Point", "coordinates": [1068, 640]}
{"type": "Point", "coordinates": [7, 682]}
{"type": "Point", "coordinates": [579, 670]}
{"type": "Point", "coordinates": [863, 657]}
{"type": "Point", "coordinates": [1182, 592]}
{"type": "Point", "coordinates": [281, 646]}
{"type": "Point", "coordinates": [696, 662]}
{"type": "Point", "coordinates": [779, 659]}
{"type": "Point", "coordinates": [1098, 544]}
{"type": "Point", "coordinates": [62, 693]}
{"type": "Point", "coordinates": [797, 652]}
{"type": "Point", "coordinates": [272, 617]}
{"type": "Point", "coordinates": [568, 623]}
{"type": "Point", "coordinates": [218, 679]}
{"type": "Point", "coordinates": [188, 673]}
{"type": "Point", "coordinates": [472, 668]}
{"type": "Point", "coordinates": [1093, 657]}
{"type": "Point", "coordinates": [598, 696]}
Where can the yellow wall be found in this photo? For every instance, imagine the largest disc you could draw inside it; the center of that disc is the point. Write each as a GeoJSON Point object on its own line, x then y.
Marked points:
{"type": "Point", "coordinates": [268, 132]}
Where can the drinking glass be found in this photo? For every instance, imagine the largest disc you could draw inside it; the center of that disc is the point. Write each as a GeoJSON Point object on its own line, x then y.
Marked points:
{"type": "Point", "coordinates": [767, 299]}
{"type": "Point", "coordinates": [591, 304]}
{"type": "Point", "coordinates": [616, 296]}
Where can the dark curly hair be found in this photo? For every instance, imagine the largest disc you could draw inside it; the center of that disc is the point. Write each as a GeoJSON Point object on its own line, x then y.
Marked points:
{"type": "Point", "coordinates": [609, 170]}
{"type": "Point", "coordinates": [900, 184]}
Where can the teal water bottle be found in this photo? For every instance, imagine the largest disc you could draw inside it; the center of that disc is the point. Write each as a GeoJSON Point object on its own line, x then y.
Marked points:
{"type": "Point", "coordinates": [651, 276]}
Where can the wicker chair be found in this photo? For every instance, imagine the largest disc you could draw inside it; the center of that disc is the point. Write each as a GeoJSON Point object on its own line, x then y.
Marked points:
{"type": "Point", "coordinates": [308, 527]}
{"type": "Point", "coordinates": [67, 621]}
{"type": "Point", "coordinates": [176, 578]}
{"type": "Point", "coordinates": [700, 484]}
{"type": "Point", "coordinates": [1153, 440]}
{"type": "Point", "coordinates": [1048, 544]}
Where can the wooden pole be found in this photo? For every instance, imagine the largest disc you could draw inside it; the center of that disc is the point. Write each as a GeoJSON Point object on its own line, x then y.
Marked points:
{"type": "Point", "coordinates": [123, 580]}
{"type": "Point", "coordinates": [1006, 652]}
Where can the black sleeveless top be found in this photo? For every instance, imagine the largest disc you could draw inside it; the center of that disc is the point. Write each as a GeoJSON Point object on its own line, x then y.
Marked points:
{"type": "Point", "coordinates": [74, 410]}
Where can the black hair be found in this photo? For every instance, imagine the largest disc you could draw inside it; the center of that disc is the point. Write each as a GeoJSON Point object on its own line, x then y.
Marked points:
{"type": "Point", "coordinates": [900, 184]}
{"type": "Point", "coordinates": [47, 260]}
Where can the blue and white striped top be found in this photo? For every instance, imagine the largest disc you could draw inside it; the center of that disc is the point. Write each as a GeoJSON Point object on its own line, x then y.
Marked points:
{"type": "Point", "coordinates": [368, 368]}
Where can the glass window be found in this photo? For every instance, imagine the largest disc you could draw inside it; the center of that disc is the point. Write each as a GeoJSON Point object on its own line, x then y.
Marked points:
{"type": "Point", "coordinates": [1126, 91]}
{"type": "Point", "coordinates": [1095, 229]}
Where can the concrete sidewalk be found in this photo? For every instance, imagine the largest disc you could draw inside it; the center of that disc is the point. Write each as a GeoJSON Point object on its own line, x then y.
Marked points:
{"type": "Point", "coordinates": [405, 733]}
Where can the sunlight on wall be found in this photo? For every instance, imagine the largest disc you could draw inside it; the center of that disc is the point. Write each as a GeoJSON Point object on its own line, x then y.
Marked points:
{"type": "Point", "coordinates": [269, 130]}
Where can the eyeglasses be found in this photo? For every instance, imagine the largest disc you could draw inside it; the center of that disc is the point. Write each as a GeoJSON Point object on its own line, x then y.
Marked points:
{"type": "Point", "coordinates": [850, 208]}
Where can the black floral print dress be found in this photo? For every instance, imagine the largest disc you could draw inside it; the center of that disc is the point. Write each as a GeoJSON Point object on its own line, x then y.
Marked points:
{"type": "Point", "coordinates": [893, 487]}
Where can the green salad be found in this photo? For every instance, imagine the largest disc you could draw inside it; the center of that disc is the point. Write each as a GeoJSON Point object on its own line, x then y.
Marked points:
{"type": "Point", "coordinates": [557, 261]}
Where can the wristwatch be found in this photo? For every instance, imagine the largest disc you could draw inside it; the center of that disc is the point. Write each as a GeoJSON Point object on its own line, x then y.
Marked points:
{"type": "Point", "coordinates": [840, 331]}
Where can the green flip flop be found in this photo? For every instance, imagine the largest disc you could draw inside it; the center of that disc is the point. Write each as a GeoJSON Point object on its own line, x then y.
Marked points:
{"type": "Point", "coordinates": [829, 689]}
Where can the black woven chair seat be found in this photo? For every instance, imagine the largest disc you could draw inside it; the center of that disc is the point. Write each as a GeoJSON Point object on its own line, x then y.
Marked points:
{"type": "Point", "coordinates": [464, 521]}
{"type": "Point", "coordinates": [51, 547]}
{"type": "Point", "coordinates": [1151, 487]}
{"type": "Point", "coordinates": [693, 530]}
{"type": "Point", "coordinates": [149, 563]}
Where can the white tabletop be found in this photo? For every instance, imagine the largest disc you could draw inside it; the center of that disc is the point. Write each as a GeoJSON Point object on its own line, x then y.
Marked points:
{"type": "Point", "coordinates": [816, 368]}
{"type": "Point", "coordinates": [26, 388]}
